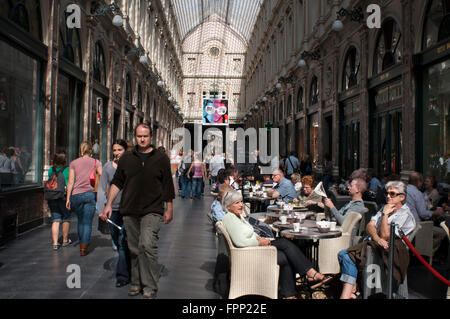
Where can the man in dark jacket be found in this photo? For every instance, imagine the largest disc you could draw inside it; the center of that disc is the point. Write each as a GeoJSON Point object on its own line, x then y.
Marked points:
{"type": "Point", "coordinates": [145, 179]}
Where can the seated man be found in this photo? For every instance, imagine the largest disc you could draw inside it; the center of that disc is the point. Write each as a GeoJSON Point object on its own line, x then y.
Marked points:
{"type": "Point", "coordinates": [416, 203]}
{"type": "Point", "coordinates": [284, 189]}
{"type": "Point", "coordinates": [357, 187]}
{"type": "Point", "coordinates": [217, 211]}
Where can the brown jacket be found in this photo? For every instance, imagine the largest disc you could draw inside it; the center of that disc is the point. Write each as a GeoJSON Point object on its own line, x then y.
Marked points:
{"type": "Point", "coordinates": [401, 256]}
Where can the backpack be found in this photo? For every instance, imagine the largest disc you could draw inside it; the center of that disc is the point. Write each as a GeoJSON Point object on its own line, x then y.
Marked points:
{"type": "Point", "coordinates": [55, 187]}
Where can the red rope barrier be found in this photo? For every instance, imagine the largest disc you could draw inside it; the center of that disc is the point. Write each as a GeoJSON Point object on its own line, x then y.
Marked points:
{"type": "Point", "coordinates": [427, 265]}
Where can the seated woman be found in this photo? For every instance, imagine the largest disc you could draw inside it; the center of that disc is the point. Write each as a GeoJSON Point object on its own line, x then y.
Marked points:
{"type": "Point", "coordinates": [308, 198]}
{"type": "Point", "coordinates": [296, 179]}
{"type": "Point", "coordinates": [290, 258]}
{"type": "Point", "coordinates": [395, 211]}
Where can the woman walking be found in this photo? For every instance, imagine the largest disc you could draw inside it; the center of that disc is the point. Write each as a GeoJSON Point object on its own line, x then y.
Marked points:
{"type": "Point", "coordinates": [60, 214]}
{"type": "Point", "coordinates": [80, 193]}
{"type": "Point", "coordinates": [118, 236]}
{"type": "Point", "coordinates": [198, 177]}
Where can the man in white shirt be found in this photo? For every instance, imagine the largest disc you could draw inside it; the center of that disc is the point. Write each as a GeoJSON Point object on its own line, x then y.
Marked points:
{"type": "Point", "coordinates": [233, 173]}
{"type": "Point", "coordinates": [216, 163]}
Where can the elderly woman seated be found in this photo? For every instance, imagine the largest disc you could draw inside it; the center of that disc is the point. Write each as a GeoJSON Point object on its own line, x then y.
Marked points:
{"type": "Point", "coordinates": [289, 257]}
{"type": "Point", "coordinates": [308, 198]}
{"type": "Point", "coordinates": [395, 211]}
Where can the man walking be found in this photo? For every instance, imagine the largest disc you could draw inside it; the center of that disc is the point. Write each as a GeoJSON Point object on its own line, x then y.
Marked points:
{"type": "Point", "coordinates": [145, 179]}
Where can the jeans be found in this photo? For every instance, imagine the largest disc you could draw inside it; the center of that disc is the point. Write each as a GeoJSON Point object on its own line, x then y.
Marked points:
{"type": "Point", "coordinates": [119, 239]}
{"type": "Point", "coordinates": [197, 187]}
{"type": "Point", "coordinates": [291, 260]}
{"type": "Point", "coordinates": [348, 268]}
{"type": "Point", "coordinates": [185, 186]}
{"type": "Point", "coordinates": [84, 206]}
{"type": "Point", "coordinates": [142, 236]}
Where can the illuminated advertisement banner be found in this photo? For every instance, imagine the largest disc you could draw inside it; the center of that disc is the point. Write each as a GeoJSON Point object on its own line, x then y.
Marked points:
{"type": "Point", "coordinates": [215, 112]}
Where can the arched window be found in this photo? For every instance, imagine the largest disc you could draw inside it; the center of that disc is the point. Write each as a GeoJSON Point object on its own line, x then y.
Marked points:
{"type": "Point", "coordinates": [351, 69]}
{"type": "Point", "coordinates": [289, 105]}
{"type": "Point", "coordinates": [280, 111]}
{"type": "Point", "coordinates": [25, 13]}
{"type": "Point", "coordinates": [99, 64]}
{"type": "Point", "coordinates": [437, 23]}
{"type": "Point", "coordinates": [300, 99]}
{"type": "Point", "coordinates": [128, 89]}
{"type": "Point", "coordinates": [69, 42]}
{"type": "Point", "coordinates": [139, 101]}
{"type": "Point", "coordinates": [388, 51]}
{"type": "Point", "coordinates": [314, 94]}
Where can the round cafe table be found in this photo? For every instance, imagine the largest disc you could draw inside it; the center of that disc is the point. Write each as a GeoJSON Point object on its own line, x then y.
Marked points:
{"type": "Point", "coordinates": [294, 208]}
{"type": "Point", "coordinates": [258, 202]}
{"type": "Point", "coordinates": [312, 235]}
{"type": "Point", "coordinates": [281, 213]}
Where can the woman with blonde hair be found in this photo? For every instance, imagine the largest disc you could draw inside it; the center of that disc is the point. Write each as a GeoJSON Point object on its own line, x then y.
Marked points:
{"type": "Point", "coordinates": [80, 193]}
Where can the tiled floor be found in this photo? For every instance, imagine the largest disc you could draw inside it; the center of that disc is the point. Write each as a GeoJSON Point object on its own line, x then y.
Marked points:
{"type": "Point", "coordinates": [29, 268]}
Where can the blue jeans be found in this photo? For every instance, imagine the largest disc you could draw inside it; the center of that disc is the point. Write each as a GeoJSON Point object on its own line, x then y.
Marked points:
{"type": "Point", "coordinates": [348, 268]}
{"type": "Point", "coordinates": [84, 206]}
{"type": "Point", "coordinates": [123, 268]}
{"type": "Point", "coordinates": [197, 187]}
{"type": "Point", "coordinates": [185, 186]}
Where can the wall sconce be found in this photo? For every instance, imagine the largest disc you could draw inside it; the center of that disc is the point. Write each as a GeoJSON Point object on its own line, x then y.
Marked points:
{"type": "Point", "coordinates": [137, 51]}
{"type": "Point", "coordinates": [160, 83]}
{"type": "Point", "coordinates": [313, 55]}
{"type": "Point", "coordinates": [355, 15]}
{"type": "Point", "coordinates": [98, 10]}
{"type": "Point", "coordinates": [264, 99]}
{"type": "Point", "coordinates": [278, 86]}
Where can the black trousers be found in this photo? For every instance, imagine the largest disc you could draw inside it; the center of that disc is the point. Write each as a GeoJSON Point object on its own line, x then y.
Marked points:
{"type": "Point", "coordinates": [291, 261]}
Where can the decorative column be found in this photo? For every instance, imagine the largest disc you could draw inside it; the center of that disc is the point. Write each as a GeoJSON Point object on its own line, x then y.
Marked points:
{"type": "Point", "coordinates": [123, 84]}
{"type": "Point", "coordinates": [409, 108]}
{"type": "Point", "coordinates": [91, 23]}
{"type": "Point", "coordinates": [51, 87]}
{"type": "Point", "coordinates": [364, 113]}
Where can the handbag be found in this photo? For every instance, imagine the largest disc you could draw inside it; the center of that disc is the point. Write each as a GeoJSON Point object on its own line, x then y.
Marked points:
{"type": "Point", "coordinates": [93, 176]}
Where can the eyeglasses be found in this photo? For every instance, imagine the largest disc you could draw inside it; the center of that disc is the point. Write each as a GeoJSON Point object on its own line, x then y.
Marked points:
{"type": "Point", "coordinates": [393, 194]}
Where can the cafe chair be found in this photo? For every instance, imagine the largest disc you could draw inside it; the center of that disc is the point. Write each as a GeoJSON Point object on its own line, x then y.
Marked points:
{"type": "Point", "coordinates": [254, 270]}
{"type": "Point", "coordinates": [424, 240]}
{"type": "Point", "coordinates": [444, 226]}
{"type": "Point", "coordinates": [329, 248]}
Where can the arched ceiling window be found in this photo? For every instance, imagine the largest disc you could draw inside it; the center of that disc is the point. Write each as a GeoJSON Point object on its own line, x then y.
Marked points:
{"type": "Point", "coordinates": [69, 42]}
{"type": "Point", "coordinates": [99, 64]}
{"type": "Point", "coordinates": [25, 13]}
{"type": "Point", "coordinates": [437, 23]}
{"type": "Point", "coordinates": [351, 69]}
{"type": "Point", "coordinates": [289, 106]}
{"type": "Point", "coordinates": [314, 93]}
{"type": "Point", "coordinates": [128, 89]}
{"type": "Point", "coordinates": [300, 99]}
{"type": "Point", "coordinates": [388, 50]}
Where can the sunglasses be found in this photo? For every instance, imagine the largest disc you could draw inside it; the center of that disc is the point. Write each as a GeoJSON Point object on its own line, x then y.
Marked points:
{"type": "Point", "coordinates": [392, 194]}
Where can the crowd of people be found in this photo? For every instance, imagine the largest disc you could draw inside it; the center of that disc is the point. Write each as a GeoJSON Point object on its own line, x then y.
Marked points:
{"type": "Point", "coordinates": [118, 192]}
{"type": "Point", "coordinates": [15, 162]}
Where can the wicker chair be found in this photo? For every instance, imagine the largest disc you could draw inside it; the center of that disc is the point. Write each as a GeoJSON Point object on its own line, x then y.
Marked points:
{"type": "Point", "coordinates": [254, 270]}
{"type": "Point", "coordinates": [424, 240]}
{"type": "Point", "coordinates": [329, 248]}
{"type": "Point", "coordinates": [444, 226]}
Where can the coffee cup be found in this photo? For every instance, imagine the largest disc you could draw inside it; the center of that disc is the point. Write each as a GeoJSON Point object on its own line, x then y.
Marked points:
{"type": "Point", "coordinates": [296, 227]}
{"type": "Point", "coordinates": [283, 219]}
{"type": "Point", "coordinates": [332, 226]}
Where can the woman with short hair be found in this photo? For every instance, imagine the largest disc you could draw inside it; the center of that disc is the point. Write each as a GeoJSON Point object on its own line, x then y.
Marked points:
{"type": "Point", "coordinates": [80, 193]}
{"type": "Point", "coordinates": [289, 257]}
{"type": "Point", "coordinates": [307, 196]}
{"type": "Point", "coordinates": [395, 211]}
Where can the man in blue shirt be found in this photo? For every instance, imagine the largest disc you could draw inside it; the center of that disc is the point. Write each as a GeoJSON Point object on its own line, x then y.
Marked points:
{"type": "Point", "coordinates": [284, 189]}
{"type": "Point", "coordinates": [292, 164]}
{"type": "Point", "coordinates": [373, 182]}
{"type": "Point", "coordinates": [217, 211]}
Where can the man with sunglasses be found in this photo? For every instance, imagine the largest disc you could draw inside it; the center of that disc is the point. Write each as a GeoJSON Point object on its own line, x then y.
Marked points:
{"type": "Point", "coordinates": [356, 189]}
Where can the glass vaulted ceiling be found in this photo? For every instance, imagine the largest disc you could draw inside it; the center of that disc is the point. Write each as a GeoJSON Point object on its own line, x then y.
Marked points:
{"type": "Point", "coordinates": [239, 14]}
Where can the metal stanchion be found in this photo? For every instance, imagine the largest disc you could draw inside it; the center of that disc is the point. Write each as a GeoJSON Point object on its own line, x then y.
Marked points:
{"type": "Point", "coordinates": [391, 260]}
